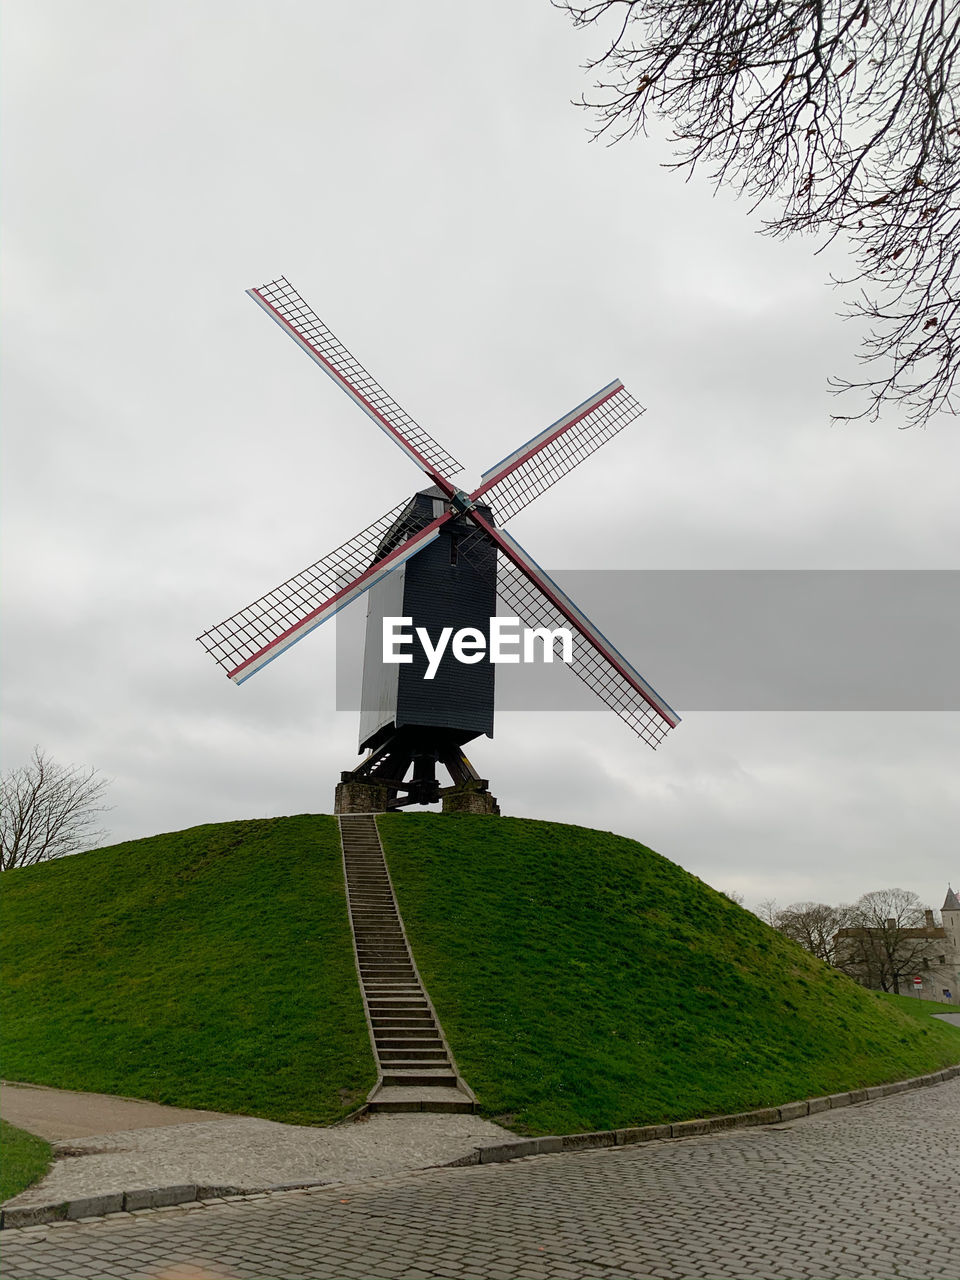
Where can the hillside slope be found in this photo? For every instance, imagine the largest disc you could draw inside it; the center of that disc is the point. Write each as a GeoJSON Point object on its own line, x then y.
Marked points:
{"type": "Point", "coordinates": [208, 968]}
{"type": "Point", "coordinates": [582, 980]}
{"type": "Point", "coordinates": [585, 982]}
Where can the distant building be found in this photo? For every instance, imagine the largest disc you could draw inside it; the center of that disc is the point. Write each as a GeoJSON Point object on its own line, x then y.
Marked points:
{"type": "Point", "coordinates": [932, 953]}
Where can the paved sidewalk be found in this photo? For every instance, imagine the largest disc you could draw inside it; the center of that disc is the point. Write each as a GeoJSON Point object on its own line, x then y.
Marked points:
{"type": "Point", "coordinates": [171, 1147]}
{"type": "Point", "coordinates": [56, 1114]}
{"type": "Point", "coordinates": [866, 1192]}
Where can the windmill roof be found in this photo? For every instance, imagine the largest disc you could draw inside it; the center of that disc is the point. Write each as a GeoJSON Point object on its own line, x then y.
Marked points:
{"type": "Point", "coordinates": [951, 902]}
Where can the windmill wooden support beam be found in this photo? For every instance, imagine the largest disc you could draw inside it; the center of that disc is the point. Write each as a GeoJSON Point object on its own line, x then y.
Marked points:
{"type": "Point", "coordinates": [380, 782]}
{"type": "Point", "coordinates": [441, 559]}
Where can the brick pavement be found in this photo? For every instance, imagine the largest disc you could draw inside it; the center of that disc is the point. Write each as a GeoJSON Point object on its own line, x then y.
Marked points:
{"type": "Point", "coordinates": [869, 1191]}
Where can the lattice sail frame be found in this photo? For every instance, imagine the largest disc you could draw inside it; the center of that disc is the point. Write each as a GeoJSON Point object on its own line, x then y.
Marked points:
{"type": "Point", "coordinates": [284, 305]}
{"type": "Point", "coordinates": [250, 639]}
{"type": "Point", "coordinates": [533, 468]}
{"type": "Point", "coordinates": [530, 593]}
{"type": "Point", "coordinates": [247, 641]}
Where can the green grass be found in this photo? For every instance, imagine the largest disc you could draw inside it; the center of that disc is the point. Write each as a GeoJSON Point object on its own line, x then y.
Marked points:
{"type": "Point", "coordinates": [207, 968]}
{"type": "Point", "coordinates": [921, 1010]}
{"type": "Point", "coordinates": [584, 982]}
{"type": "Point", "coordinates": [24, 1159]}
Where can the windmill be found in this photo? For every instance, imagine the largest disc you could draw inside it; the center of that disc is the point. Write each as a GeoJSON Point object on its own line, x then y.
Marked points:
{"type": "Point", "coordinates": [442, 555]}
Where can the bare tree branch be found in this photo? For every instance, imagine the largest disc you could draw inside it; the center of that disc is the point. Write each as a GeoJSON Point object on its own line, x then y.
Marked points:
{"type": "Point", "coordinates": [814, 925]}
{"type": "Point", "coordinates": [885, 939]}
{"type": "Point", "coordinates": [769, 911]}
{"type": "Point", "coordinates": [842, 113]}
{"type": "Point", "coordinates": [48, 811]}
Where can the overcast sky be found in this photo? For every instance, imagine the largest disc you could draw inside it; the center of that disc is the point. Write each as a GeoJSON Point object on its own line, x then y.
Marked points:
{"type": "Point", "coordinates": [420, 175]}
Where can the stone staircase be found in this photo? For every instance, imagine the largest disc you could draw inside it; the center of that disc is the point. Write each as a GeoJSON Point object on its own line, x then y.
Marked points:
{"type": "Point", "coordinates": [416, 1069]}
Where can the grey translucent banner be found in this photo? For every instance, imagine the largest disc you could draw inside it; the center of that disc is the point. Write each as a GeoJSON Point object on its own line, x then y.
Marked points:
{"type": "Point", "coordinates": [744, 640]}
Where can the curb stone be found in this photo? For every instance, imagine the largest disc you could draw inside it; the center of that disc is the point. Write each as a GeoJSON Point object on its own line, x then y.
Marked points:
{"type": "Point", "coordinates": [695, 1128]}
{"type": "Point", "coordinates": [182, 1194]}
{"type": "Point", "coordinates": [35, 1215]}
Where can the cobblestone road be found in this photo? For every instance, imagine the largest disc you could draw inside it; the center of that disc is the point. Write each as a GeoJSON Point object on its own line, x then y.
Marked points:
{"type": "Point", "coordinates": [866, 1191]}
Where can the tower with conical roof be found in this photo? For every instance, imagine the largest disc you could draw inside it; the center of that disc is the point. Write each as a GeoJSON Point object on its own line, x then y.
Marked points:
{"type": "Point", "coordinates": [950, 914]}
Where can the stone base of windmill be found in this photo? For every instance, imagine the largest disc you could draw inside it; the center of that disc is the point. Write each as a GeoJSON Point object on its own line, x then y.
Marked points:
{"type": "Point", "coordinates": [374, 797]}
{"type": "Point", "coordinates": [361, 797]}
{"type": "Point", "coordinates": [470, 800]}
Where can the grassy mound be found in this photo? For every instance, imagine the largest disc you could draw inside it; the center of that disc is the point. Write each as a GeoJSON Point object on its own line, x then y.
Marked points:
{"type": "Point", "coordinates": [584, 982]}
{"type": "Point", "coordinates": [208, 968]}
{"type": "Point", "coordinates": [24, 1160]}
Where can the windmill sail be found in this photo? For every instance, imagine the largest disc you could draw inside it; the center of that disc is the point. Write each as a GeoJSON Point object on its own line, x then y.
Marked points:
{"type": "Point", "coordinates": [532, 595]}
{"type": "Point", "coordinates": [247, 641]}
{"type": "Point", "coordinates": [285, 306]}
{"type": "Point", "coordinates": [541, 462]}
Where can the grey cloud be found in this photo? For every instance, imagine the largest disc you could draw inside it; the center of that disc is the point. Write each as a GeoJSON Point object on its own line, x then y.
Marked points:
{"type": "Point", "coordinates": [421, 176]}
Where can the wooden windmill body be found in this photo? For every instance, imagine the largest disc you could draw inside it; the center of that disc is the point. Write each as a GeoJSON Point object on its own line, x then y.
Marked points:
{"type": "Point", "coordinates": [409, 722]}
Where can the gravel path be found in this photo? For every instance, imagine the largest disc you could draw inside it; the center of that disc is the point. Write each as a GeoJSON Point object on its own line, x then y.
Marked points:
{"type": "Point", "coordinates": [235, 1151]}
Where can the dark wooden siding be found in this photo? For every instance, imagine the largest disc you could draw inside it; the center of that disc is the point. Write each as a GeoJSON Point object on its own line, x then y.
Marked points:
{"type": "Point", "coordinates": [440, 590]}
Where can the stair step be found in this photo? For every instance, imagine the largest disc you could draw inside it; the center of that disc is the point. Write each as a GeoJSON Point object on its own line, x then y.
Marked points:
{"type": "Point", "coordinates": [389, 1002]}
{"type": "Point", "coordinates": [398, 1021]}
{"type": "Point", "coordinates": [411, 1047]}
{"type": "Point", "coordinates": [392, 1031]}
{"type": "Point", "coordinates": [402, 1008]}
{"type": "Point", "coordinates": [458, 1105]}
{"type": "Point", "coordinates": [418, 1076]}
{"type": "Point", "coordinates": [395, 1037]}
{"type": "Point", "coordinates": [406, 1058]}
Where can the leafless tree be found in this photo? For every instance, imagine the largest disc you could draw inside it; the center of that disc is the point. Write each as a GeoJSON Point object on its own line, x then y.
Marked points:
{"type": "Point", "coordinates": [47, 811]}
{"type": "Point", "coordinates": [840, 116]}
{"type": "Point", "coordinates": [814, 925]}
{"type": "Point", "coordinates": [884, 940]}
{"type": "Point", "coordinates": [769, 911]}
